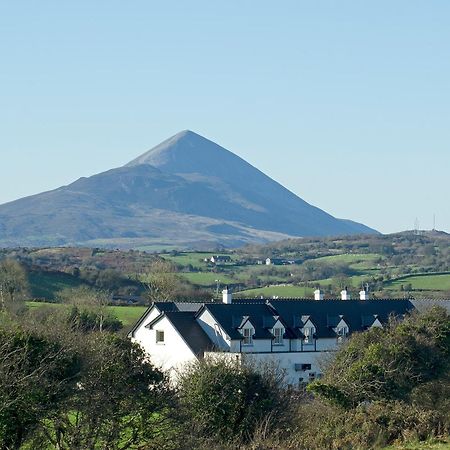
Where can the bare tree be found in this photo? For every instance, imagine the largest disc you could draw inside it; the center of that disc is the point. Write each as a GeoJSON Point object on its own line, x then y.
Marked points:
{"type": "Point", "coordinates": [93, 301]}
{"type": "Point", "coordinates": [162, 281]}
{"type": "Point", "coordinates": [13, 284]}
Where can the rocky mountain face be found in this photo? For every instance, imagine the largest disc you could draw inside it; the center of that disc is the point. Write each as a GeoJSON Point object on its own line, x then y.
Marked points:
{"type": "Point", "coordinates": [187, 192]}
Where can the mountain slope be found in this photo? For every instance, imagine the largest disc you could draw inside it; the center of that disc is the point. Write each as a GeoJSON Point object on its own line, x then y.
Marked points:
{"type": "Point", "coordinates": [184, 191]}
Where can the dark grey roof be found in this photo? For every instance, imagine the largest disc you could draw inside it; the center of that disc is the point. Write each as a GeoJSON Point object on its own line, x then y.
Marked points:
{"type": "Point", "coordinates": [263, 314]}
{"type": "Point", "coordinates": [166, 306]}
{"type": "Point", "coordinates": [185, 323]}
{"type": "Point", "coordinates": [231, 317]}
{"type": "Point", "coordinates": [326, 314]}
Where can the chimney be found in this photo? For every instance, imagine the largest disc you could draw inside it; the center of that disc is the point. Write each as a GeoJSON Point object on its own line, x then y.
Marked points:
{"type": "Point", "coordinates": [226, 296]}
{"type": "Point", "coordinates": [364, 294]}
{"type": "Point", "coordinates": [318, 294]}
{"type": "Point", "coordinates": [345, 295]}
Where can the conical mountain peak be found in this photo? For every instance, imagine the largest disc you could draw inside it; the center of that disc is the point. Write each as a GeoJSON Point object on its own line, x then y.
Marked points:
{"type": "Point", "coordinates": [184, 145]}
{"type": "Point", "coordinates": [185, 190]}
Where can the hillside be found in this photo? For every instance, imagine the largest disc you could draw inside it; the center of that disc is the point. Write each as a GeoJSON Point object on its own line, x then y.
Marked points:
{"type": "Point", "coordinates": [402, 264]}
{"type": "Point", "coordinates": [187, 192]}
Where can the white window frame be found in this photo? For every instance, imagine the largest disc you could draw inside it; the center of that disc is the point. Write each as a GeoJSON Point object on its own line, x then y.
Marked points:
{"type": "Point", "coordinates": [341, 333]}
{"type": "Point", "coordinates": [248, 336]}
{"type": "Point", "coordinates": [159, 334]}
{"type": "Point", "coordinates": [278, 336]}
{"type": "Point", "coordinates": [309, 335]}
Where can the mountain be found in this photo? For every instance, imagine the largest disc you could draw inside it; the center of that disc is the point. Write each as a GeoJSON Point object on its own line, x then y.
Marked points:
{"type": "Point", "coordinates": [185, 192]}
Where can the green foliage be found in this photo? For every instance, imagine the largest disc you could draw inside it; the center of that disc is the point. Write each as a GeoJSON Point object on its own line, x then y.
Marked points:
{"type": "Point", "coordinates": [119, 403]}
{"type": "Point", "coordinates": [225, 400]}
{"type": "Point", "coordinates": [389, 363]}
{"type": "Point", "coordinates": [13, 285]}
{"type": "Point", "coordinates": [36, 375]}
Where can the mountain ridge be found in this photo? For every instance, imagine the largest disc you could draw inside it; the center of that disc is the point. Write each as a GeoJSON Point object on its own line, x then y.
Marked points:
{"type": "Point", "coordinates": [187, 189]}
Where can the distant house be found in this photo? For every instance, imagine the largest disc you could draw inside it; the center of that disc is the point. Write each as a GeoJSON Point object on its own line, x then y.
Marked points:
{"type": "Point", "coordinates": [293, 334]}
{"type": "Point", "coordinates": [220, 259]}
{"type": "Point", "coordinates": [281, 261]}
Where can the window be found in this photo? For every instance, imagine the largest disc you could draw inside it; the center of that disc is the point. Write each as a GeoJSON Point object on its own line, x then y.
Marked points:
{"type": "Point", "coordinates": [248, 336]}
{"type": "Point", "coordinates": [278, 336]}
{"type": "Point", "coordinates": [309, 335]}
{"type": "Point", "coordinates": [342, 333]}
{"type": "Point", "coordinates": [159, 336]}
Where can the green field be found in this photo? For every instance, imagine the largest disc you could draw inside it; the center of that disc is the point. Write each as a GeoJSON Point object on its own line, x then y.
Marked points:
{"type": "Point", "coordinates": [48, 284]}
{"type": "Point", "coordinates": [207, 278]}
{"type": "Point", "coordinates": [128, 315]}
{"type": "Point", "coordinates": [427, 282]}
{"type": "Point", "coordinates": [195, 259]}
{"type": "Point", "coordinates": [361, 261]}
{"type": "Point", "coordinates": [421, 446]}
{"type": "Point", "coordinates": [288, 291]}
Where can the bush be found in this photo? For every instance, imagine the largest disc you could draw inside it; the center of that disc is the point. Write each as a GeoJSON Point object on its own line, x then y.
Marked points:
{"type": "Point", "coordinates": [225, 400]}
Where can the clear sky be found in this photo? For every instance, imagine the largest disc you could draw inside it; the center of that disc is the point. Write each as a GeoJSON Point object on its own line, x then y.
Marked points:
{"type": "Point", "coordinates": [346, 103]}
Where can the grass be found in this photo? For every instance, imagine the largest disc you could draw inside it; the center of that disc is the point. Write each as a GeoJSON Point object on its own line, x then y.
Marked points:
{"type": "Point", "coordinates": [431, 282]}
{"type": "Point", "coordinates": [287, 291]}
{"type": "Point", "coordinates": [48, 284]}
{"type": "Point", "coordinates": [421, 446]}
{"type": "Point", "coordinates": [195, 259]}
{"type": "Point", "coordinates": [360, 261]}
{"type": "Point", "coordinates": [128, 315]}
{"type": "Point", "coordinates": [207, 278]}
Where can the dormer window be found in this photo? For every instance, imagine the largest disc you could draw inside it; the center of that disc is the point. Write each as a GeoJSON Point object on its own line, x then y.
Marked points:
{"type": "Point", "coordinates": [308, 332]}
{"type": "Point", "coordinates": [278, 336]}
{"type": "Point", "coordinates": [248, 336]}
{"type": "Point", "coordinates": [342, 333]}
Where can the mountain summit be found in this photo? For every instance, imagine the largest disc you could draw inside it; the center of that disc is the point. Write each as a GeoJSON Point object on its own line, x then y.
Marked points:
{"type": "Point", "coordinates": [185, 192]}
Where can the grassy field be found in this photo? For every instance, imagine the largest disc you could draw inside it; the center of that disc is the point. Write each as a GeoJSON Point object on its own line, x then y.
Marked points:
{"type": "Point", "coordinates": [421, 446]}
{"type": "Point", "coordinates": [195, 259]}
{"type": "Point", "coordinates": [360, 261]}
{"type": "Point", "coordinates": [428, 282]}
{"type": "Point", "coordinates": [288, 291]}
{"type": "Point", "coordinates": [207, 278]}
{"type": "Point", "coordinates": [48, 284]}
{"type": "Point", "coordinates": [128, 315]}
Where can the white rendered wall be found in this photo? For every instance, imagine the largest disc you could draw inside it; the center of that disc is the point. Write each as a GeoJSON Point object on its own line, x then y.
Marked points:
{"type": "Point", "coordinates": [172, 354]}
{"type": "Point", "coordinates": [284, 361]}
{"type": "Point", "coordinates": [141, 330]}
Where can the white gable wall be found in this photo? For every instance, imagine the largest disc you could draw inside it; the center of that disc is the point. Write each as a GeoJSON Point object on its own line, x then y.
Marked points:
{"type": "Point", "coordinates": [170, 355]}
{"type": "Point", "coordinates": [141, 331]}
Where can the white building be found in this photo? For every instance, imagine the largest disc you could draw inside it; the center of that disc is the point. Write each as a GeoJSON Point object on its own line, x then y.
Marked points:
{"type": "Point", "coordinates": [293, 334]}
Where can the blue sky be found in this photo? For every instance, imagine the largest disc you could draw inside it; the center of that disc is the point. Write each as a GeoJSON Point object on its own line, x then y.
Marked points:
{"type": "Point", "coordinates": [346, 103]}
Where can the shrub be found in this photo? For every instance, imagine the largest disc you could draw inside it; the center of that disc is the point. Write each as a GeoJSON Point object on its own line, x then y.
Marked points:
{"type": "Point", "coordinates": [226, 400]}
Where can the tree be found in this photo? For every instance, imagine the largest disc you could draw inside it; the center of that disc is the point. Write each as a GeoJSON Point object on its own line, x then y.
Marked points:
{"type": "Point", "coordinates": [89, 309]}
{"type": "Point", "coordinates": [225, 400]}
{"type": "Point", "coordinates": [389, 363]}
{"type": "Point", "coordinates": [120, 402]}
{"type": "Point", "coordinates": [36, 374]}
{"type": "Point", "coordinates": [13, 284]}
{"type": "Point", "coordinates": [161, 281]}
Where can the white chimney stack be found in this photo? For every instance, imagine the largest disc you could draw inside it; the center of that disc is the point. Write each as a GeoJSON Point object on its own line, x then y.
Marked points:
{"type": "Point", "coordinates": [345, 295]}
{"type": "Point", "coordinates": [318, 294]}
{"type": "Point", "coordinates": [364, 295]}
{"type": "Point", "coordinates": [226, 296]}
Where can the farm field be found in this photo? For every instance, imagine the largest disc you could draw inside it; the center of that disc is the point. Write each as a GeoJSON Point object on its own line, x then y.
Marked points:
{"type": "Point", "coordinates": [427, 282]}
{"type": "Point", "coordinates": [360, 260]}
{"type": "Point", "coordinates": [128, 315]}
{"type": "Point", "coordinates": [195, 259]}
{"type": "Point", "coordinates": [281, 291]}
{"type": "Point", "coordinates": [48, 284]}
{"type": "Point", "coordinates": [207, 278]}
{"type": "Point", "coordinates": [421, 446]}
